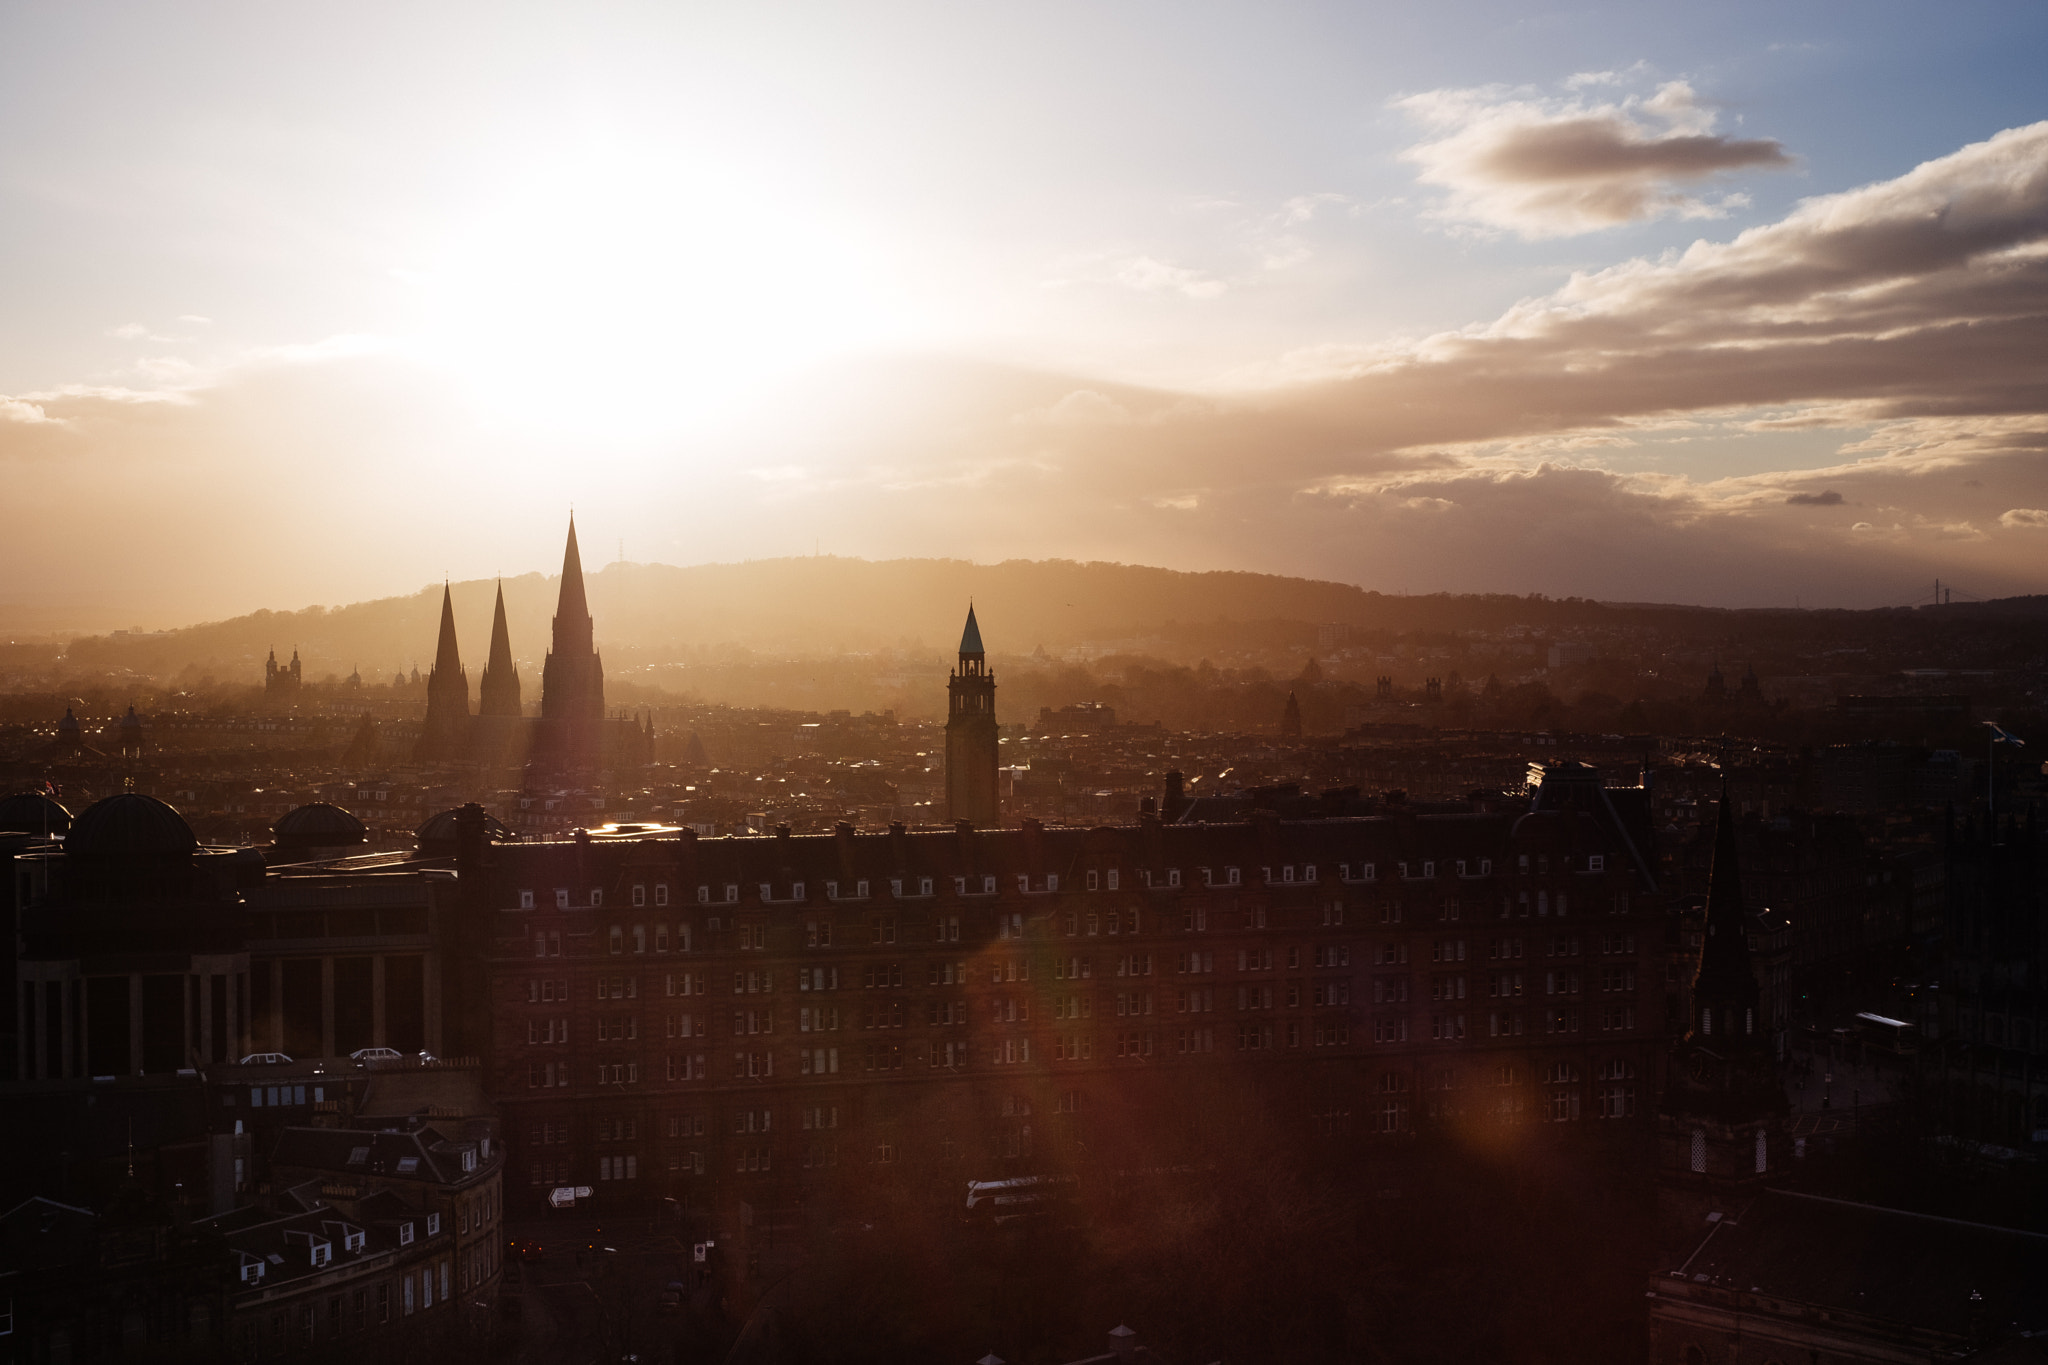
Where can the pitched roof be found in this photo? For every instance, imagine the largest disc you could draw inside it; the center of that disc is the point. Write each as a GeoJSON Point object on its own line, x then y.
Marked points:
{"type": "Point", "coordinates": [970, 638]}
{"type": "Point", "coordinates": [1878, 1263]}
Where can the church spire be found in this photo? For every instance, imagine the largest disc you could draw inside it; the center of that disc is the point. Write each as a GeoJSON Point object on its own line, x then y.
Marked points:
{"type": "Point", "coordinates": [970, 638]}
{"type": "Point", "coordinates": [572, 676]}
{"type": "Point", "coordinates": [446, 657]}
{"type": "Point", "coordinates": [499, 688]}
{"type": "Point", "coordinates": [445, 732]}
{"type": "Point", "coordinates": [1725, 994]}
{"type": "Point", "coordinates": [572, 609]}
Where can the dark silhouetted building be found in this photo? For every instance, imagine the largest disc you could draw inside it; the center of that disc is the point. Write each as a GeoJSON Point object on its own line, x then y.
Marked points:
{"type": "Point", "coordinates": [572, 678]}
{"type": "Point", "coordinates": [445, 734]}
{"type": "Point", "coordinates": [282, 682]}
{"type": "Point", "coordinates": [796, 1018]}
{"type": "Point", "coordinates": [972, 741]}
{"type": "Point", "coordinates": [499, 690]}
{"type": "Point", "coordinates": [1723, 1108]}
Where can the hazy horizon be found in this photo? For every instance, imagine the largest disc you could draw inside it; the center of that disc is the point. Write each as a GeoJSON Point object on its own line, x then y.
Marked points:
{"type": "Point", "coordinates": [1738, 307]}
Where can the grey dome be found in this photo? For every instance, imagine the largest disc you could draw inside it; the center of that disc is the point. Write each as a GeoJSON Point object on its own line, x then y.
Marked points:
{"type": "Point", "coordinates": [130, 825]}
{"type": "Point", "coordinates": [318, 825]}
{"type": "Point", "coordinates": [33, 813]}
{"type": "Point", "coordinates": [438, 834]}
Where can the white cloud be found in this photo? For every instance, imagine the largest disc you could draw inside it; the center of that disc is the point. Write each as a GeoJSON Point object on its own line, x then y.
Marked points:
{"type": "Point", "coordinates": [2030, 518]}
{"type": "Point", "coordinates": [1153, 276]}
{"type": "Point", "coordinates": [1544, 167]}
{"type": "Point", "coordinates": [22, 411]}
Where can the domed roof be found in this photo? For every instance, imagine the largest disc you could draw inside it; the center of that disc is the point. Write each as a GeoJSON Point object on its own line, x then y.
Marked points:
{"type": "Point", "coordinates": [33, 813]}
{"type": "Point", "coordinates": [438, 833]}
{"type": "Point", "coordinates": [317, 825]}
{"type": "Point", "coordinates": [130, 825]}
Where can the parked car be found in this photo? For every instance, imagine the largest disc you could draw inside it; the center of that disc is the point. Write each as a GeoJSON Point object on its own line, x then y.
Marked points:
{"type": "Point", "coordinates": [377, 1054]}
{"type": "Point", "coordinates": [266, 1059]}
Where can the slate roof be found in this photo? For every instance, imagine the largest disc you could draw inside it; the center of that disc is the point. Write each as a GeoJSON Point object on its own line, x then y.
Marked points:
{"type": "Point", "coordinates": [1886, 1264]}
{"type": "Point", "coordinates": [425, 1154]}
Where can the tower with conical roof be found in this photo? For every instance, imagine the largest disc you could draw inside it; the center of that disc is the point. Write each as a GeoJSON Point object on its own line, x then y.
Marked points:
{"type": "Point", "coordinates": [445, 732]}
{"type": "Point", "coordinates": [1720, 1123]}
{"type": "Point", "coordinates": [972, 752]}
{"type": "Point", "coordinates": [1725, 993]}
{"type": "Point", "coordinates": [572, 678]}
{"type": "Point", "coordinates": [498, 689]}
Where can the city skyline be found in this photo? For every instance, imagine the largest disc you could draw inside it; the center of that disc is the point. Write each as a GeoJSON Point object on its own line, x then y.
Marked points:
{"type": "Point", "coordinates": [1733, 308]}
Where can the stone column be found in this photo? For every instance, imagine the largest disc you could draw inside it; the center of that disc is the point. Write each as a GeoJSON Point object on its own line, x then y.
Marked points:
{"type": "Point", "coordinates": [205, 987]}
{"type": "Point", "coordinates": [135, 1023]}
{"type": "Point", "coordinates": [327, 1006]}
{"type": "Point", "coordinates": [70, 1024]}
{"type": "Point", "coordinates": [430, 972]}
{"type": "Point", "coordinates": [192, 983]}
{"type": "Point", "coordinates": [35, 1040]}
{"type": "Point", "coordinates": [276, 1020]}
{"type": "Point", "coordinates": [237, 984]}
{"type": "Point", "coordinates": [377, 1035]}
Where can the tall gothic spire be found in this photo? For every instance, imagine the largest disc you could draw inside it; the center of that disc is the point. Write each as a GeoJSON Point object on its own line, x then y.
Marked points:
{"type": "Point", "coordinates": [572, 678]}
{"type": "Point", "coordinates": [447, 659]}
{"type": "Point", "coordinates": [970, 638]}
{"type": "Point", "coordinates": [1725, 993]}
{"type": "Point", "coordinates": [445, 732]}
{"type": "Point", "coordinates": [499, 687]}
{"type": "Point", "coordinates": [572, 609]}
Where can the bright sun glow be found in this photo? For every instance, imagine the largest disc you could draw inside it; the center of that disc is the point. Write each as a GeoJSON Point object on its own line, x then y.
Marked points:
{"type": "Point", "coordinates": [635, 296]}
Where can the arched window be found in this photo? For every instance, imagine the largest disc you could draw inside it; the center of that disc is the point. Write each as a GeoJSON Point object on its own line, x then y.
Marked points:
{"type": "Point", "coordinates": [1749, 1021]}
{"type": "Point", "coordinates": [1699, 1150]}
{"type": "Point", "coordinates": [1706, 1023]}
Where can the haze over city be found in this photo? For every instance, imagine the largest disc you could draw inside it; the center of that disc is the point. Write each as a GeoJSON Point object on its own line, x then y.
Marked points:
{"type": "Point", "coordinates": [1735, 305]}
{"type": "Point", "coordinates": [1067, 684]}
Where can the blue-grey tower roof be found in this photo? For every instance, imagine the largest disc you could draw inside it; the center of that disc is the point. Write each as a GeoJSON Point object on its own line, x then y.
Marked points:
{"type": "Point", "coordinates": [970, 639]}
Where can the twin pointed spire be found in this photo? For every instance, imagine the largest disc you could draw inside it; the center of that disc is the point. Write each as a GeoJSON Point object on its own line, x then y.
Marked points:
{"type": "Point", "coordinates": [572, 677]}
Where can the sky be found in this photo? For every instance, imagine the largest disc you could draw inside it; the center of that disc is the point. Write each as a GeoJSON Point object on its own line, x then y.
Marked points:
{"type": "Point", "coordinates": [1738, 304]}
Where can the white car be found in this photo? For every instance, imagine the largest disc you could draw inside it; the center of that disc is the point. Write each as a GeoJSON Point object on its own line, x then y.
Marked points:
{"type": "Point", "coordinates": [266, 1059]}
{"type": "Point", "coordinates": [376, 1054]}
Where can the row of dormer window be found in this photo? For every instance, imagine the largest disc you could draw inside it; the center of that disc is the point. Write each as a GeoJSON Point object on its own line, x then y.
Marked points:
{"type": "Point", "coordinates": [1097, 880]}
